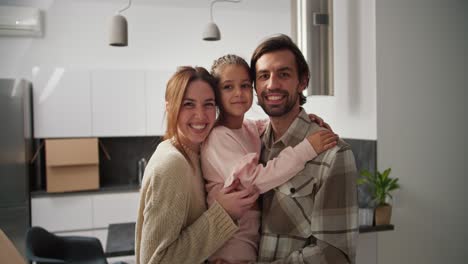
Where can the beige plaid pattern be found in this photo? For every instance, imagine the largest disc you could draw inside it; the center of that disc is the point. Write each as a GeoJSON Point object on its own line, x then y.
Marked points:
{"type": "Point", "coordinates": [313, 218]}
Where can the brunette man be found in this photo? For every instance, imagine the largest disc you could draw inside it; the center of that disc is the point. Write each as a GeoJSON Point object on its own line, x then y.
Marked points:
{"type": "Point", "coordinates": [313, 218]}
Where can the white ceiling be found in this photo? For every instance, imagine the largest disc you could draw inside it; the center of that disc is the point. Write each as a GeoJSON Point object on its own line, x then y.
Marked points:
{"type": "Point", "coordinates": [257, 5]}
{"type": "Point", "coordinates": [247, 4]}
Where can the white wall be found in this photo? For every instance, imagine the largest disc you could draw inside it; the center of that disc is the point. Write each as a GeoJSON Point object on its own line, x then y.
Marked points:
{"type": "Point", "coordinates": [164, 35]}
{"type": "Point", "coordinates": [352, 111]}
{"type": "Point", "coordinates": [161, 36]}
{"type": "Point", "coordinates": [422, 127]}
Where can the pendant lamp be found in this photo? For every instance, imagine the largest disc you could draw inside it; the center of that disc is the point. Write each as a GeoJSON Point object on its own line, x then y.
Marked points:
{"type": "Point", "coordinates": [211, 31]}
{"type": "Point", "coordinates": [118, 35]}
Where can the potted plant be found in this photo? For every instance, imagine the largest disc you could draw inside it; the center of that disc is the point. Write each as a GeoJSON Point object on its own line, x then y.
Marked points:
{"type": "Point", "coordinates": [381, 185]}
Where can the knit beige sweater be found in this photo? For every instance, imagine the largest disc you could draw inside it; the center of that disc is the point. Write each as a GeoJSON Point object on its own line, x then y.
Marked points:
{"type": "Point", "coordinates": [174, 225]}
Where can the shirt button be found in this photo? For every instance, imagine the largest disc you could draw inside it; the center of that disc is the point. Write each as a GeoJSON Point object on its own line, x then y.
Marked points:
{"type": "Point", "coordinates": [292, 190]}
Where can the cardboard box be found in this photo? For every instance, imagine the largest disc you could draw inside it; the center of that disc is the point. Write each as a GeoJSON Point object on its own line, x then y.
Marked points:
{"type": "Point", "coordinates": [72, 164]}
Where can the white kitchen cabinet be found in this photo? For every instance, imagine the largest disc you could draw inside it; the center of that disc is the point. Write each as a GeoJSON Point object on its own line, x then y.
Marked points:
{"type": "Point", "coordinates": [79, 212]}
{"type": "Point", "coordinates": [63, 213]}
{"type": "Point", "coordinates": [114, 208]}
{"type": "Point", "coordinates": [62, 102]}
{"type": "Point", "coordinates": [155, 84]}
{"type": "Point", "coordinates": [126, 259]}
{"type": "Point", "coordinates": [77, 233]}
{"type": "Point", "coordinates": [87, 214]}
{"type": "Point", "coordinates": [118, 103]}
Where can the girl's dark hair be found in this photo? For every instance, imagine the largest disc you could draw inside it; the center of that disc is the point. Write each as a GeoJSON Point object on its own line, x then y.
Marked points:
{"type": "Point", "coordinates": [217, 67]}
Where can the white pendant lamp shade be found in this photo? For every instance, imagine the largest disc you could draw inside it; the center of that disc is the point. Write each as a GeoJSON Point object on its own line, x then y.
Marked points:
{"type": "Point", "coordinates": [119, 31]}
{"type": "Point", "coordinates": [211, 32]}
{"type": "Point", "coordinates": [118, 35]}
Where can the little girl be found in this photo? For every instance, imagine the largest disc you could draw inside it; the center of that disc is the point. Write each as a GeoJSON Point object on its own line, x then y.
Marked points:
{"type": "Point", "coordinates": [232, 151]}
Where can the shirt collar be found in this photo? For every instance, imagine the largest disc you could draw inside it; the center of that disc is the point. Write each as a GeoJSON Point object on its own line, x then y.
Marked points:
{"type": "Point", "coordinates": [296, 132]}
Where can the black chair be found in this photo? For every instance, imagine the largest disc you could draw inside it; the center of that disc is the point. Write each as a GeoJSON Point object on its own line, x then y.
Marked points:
{"type": "Point", "coordinates": [44, 247]}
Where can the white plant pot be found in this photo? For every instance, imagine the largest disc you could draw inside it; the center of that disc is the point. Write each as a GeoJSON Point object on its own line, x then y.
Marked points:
{"type": "Point", "coordinates": [366, 216]}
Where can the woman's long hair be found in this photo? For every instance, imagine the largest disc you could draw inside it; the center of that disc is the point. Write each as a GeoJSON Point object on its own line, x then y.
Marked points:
{"type": "Point", "coordinates": [175, 91]}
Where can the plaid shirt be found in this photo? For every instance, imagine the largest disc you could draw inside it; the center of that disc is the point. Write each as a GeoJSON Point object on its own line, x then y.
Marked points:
{"type": "Point", "coordinates": [313, 218]}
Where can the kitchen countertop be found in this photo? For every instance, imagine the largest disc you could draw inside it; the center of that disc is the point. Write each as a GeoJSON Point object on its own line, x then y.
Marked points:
{"type": "Point", "coordinates": [104, 189]}
{"type": "Point", "coordinates": [120, 240]}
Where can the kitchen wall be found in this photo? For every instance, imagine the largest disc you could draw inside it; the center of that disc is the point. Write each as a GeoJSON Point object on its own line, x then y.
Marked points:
{"type": "Point", "coordinates": [414, 51]}
{"type": "Point", "coordinates": [76, 37]}
{"type": "Point", "coordinates": [352, 111]}
{"type": "Point", "coordinates": [422, 127]}
{"type": "Point", "coordinates": [161, 36]}
{"type": "Point", "coordinates": [164, 34]}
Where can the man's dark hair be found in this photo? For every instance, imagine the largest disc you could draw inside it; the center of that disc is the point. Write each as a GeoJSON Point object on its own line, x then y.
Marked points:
{"type": "Point", "coordinates": [276, 43]}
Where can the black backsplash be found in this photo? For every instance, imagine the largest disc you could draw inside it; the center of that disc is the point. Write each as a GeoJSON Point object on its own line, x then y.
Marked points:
{"type": "Point", "coordinates": [124, 152]}
{"type": "Point", "coordinates": [365, 154]}
{"type": "Point", "coordinates": [37, 180]}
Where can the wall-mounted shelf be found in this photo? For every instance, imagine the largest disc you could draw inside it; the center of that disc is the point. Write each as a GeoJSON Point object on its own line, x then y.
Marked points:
{"type": "Point", "coordinates": [368, 229]}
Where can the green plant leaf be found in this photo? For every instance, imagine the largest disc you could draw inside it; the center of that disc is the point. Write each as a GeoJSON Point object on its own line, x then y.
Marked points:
{"type": "Point", "coordinates": [387, 172]}
{"type": "Point", "coordinates": [380, 183]}
{"type": "Point", "coordinates": [367, 178]}
{"type": "Point", "coordinates": [366, 174]}
{"type": "Point", "coordinates": [362, 181]}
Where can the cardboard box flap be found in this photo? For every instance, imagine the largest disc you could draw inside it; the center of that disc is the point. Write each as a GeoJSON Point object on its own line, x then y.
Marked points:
{"type": "Point", "coordinates": [71, 152]}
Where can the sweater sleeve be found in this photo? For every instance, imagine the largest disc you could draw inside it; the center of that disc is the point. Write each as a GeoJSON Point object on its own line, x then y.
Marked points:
{"type": "Point", "coordinates": [224, 159]}
{"type": "Point", "coordinates": [164, 238]}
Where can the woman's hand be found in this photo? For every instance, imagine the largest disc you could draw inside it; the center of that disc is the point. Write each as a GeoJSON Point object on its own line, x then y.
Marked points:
{"type": "Point", "coordinates": [322, 140]}
{"type": "Point", "coordinates": [237, 202]}
{"type": "Point", "coordinates": [319, 121]}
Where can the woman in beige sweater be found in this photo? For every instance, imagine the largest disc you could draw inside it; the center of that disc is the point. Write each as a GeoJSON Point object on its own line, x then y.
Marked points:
{"type": "Point", "coordinates": [174, 224]}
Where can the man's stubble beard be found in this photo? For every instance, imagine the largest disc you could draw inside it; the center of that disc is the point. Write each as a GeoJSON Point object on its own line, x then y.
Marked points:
{"type": "Point", "coordinates": [279, 110]}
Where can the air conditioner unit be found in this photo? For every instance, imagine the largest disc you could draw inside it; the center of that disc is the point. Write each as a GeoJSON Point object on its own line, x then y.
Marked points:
{"type": "Point", "coordinates": [20, 21]}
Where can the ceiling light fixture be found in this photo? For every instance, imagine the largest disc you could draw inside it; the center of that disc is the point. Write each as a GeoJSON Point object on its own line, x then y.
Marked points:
{"type": "Point", "coordinates": [118, 36]}
{"type": "Point", "coordinates": [211, 32]}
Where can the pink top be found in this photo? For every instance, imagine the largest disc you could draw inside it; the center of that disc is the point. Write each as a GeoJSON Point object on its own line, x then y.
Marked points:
{"type": "Point", "coordinates": [228, 154]}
